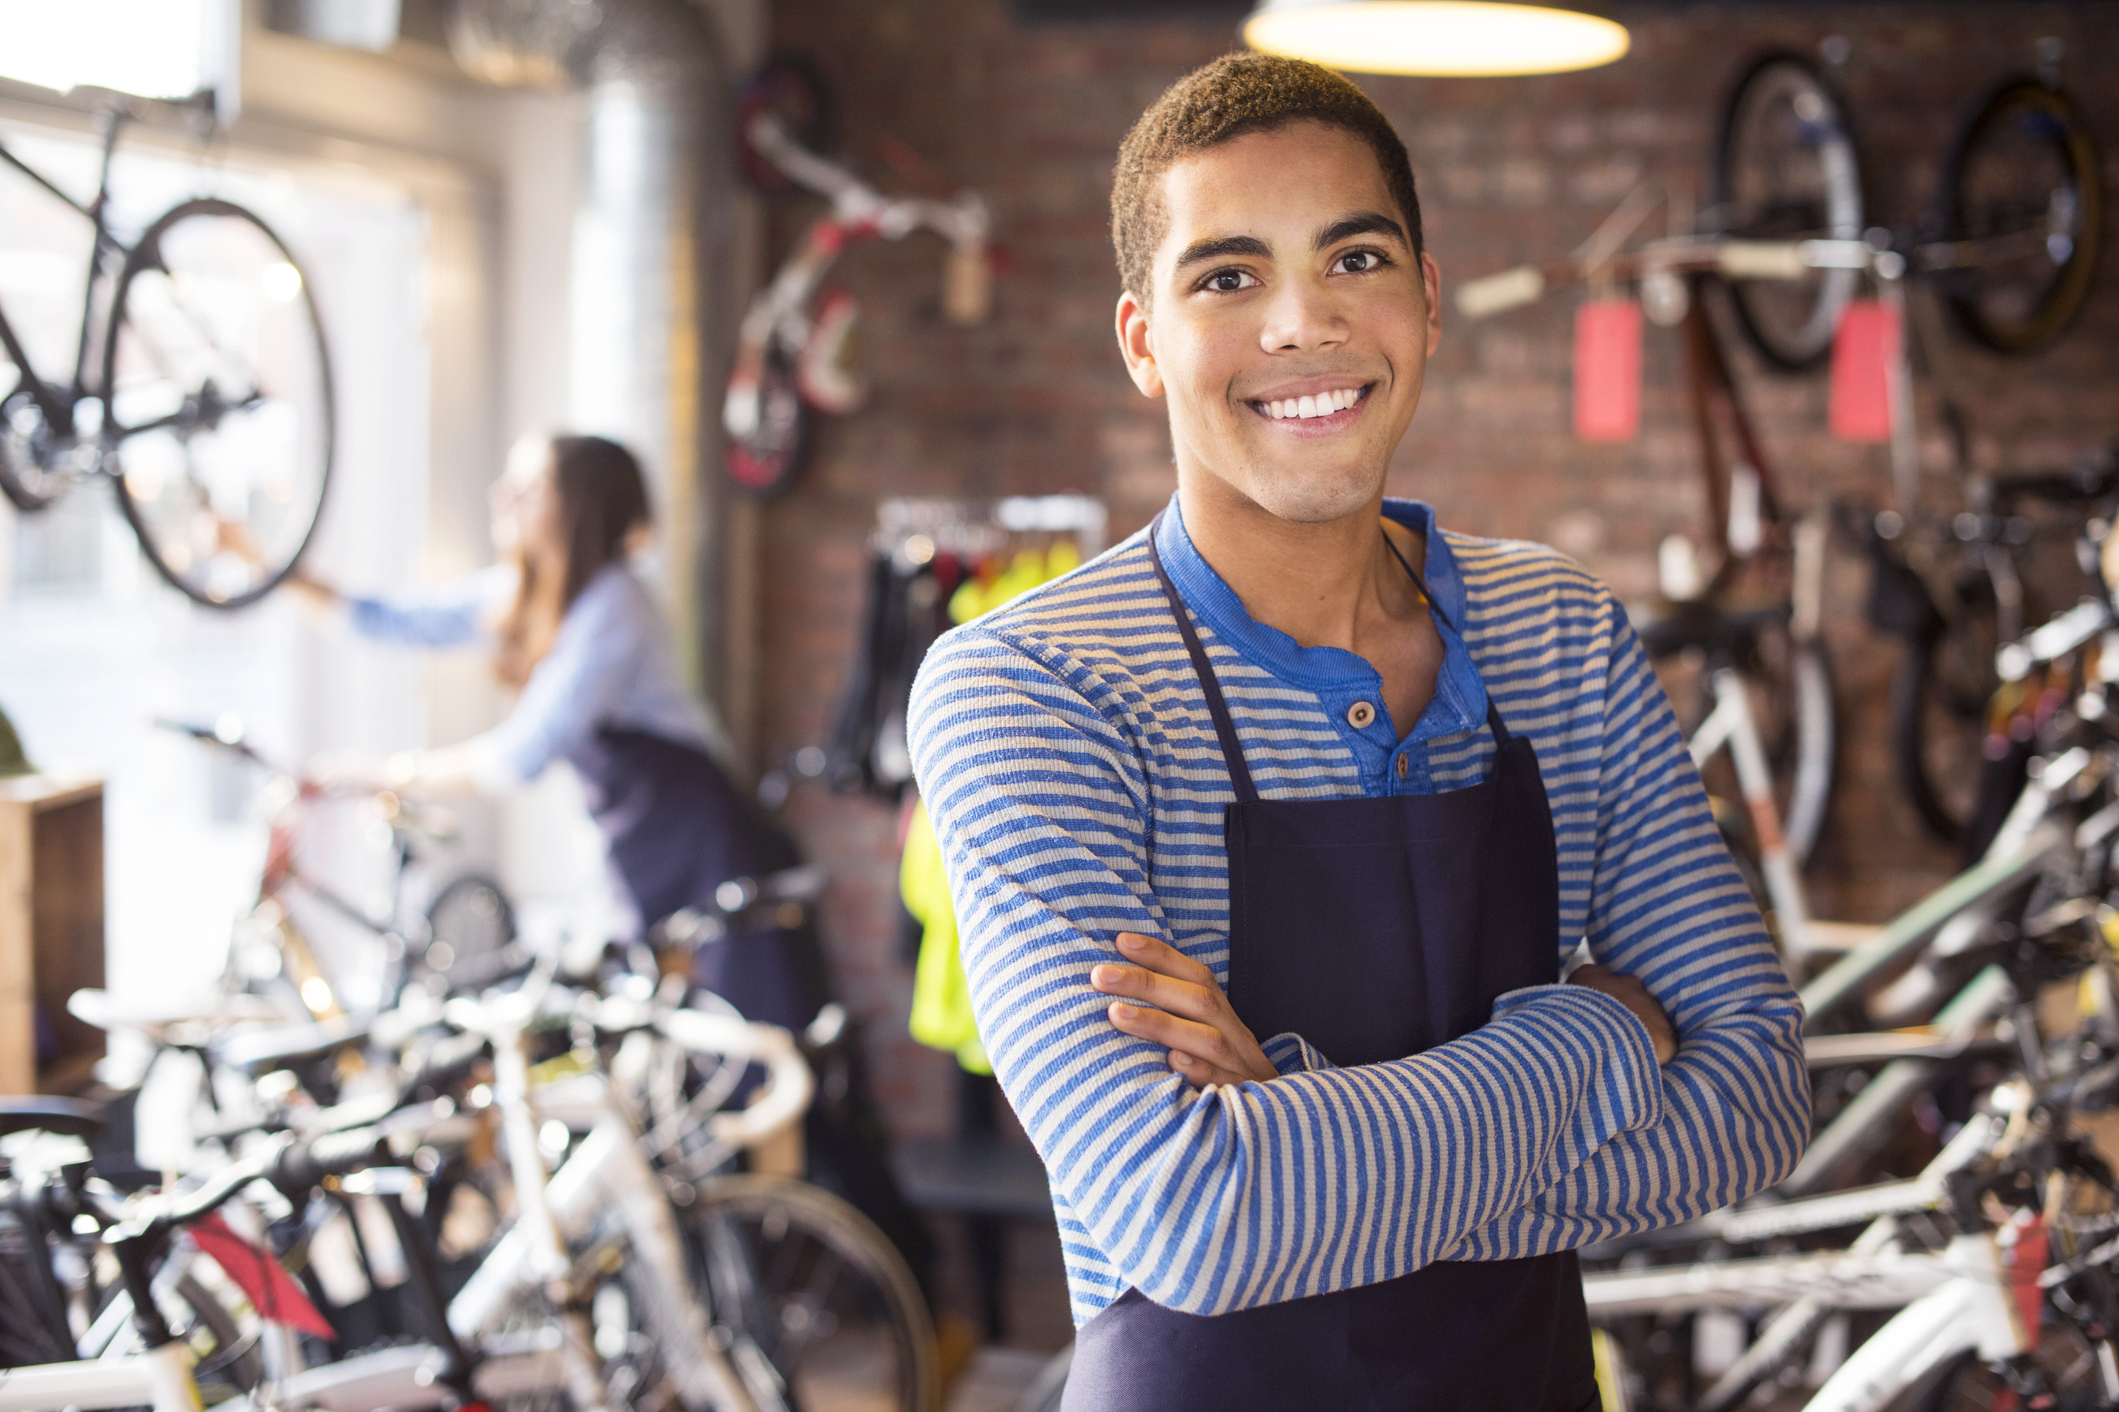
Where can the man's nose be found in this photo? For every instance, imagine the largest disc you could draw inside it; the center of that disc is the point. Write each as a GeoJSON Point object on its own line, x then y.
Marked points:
{"type": "Point", "coordinates": [1301, 315]}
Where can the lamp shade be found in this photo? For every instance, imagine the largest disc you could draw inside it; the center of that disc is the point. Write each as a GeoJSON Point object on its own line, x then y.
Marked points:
{"type": "Point", "coordinates": [1457, 38]}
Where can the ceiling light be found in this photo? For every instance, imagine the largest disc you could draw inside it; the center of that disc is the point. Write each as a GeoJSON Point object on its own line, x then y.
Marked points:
{"type": "Point", "coordinates": [1455, 38]}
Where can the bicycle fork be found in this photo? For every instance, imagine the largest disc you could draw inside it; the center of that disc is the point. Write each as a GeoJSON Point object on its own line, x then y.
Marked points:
{"type": "Point", "coordinates": [1731, 723]}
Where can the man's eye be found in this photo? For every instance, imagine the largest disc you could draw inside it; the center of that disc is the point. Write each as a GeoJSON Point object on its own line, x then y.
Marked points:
{"type": "Point", "coordinates": [1360, 262]}
{"type": "Point", "coordinates": [1227, 281]}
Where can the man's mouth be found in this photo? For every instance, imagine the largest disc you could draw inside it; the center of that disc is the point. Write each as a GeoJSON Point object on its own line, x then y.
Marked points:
{"type": "Point", "coordinates": [1311, 407]}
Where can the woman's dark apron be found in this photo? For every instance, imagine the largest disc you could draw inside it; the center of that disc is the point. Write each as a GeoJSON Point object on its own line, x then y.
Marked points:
{"type": "Point", "coordinates": [1374, 928]}
{"type": "Point", "coordinates": [677, 829]}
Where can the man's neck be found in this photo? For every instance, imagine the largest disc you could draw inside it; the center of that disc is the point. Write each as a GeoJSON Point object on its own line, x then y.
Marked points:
{"type": "Point", "coordinates": [1329, 584]}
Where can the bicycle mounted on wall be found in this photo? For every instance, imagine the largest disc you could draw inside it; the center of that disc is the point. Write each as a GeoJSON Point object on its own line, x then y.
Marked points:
{"type": "Point", "coordinates": [203, 394]}
{"type": "Point", "coordinates": [2010, 247]}
{"type": "Point", "coordinates": [792, 360]}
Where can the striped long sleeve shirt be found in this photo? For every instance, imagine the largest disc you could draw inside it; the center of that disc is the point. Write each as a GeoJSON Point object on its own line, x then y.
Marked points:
{"type": "Point", "coordinates": [1064, 748]}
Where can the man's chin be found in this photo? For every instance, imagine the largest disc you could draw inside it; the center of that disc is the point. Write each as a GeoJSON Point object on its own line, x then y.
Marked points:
{"type": "Point", "coordinates": [1310, 501]}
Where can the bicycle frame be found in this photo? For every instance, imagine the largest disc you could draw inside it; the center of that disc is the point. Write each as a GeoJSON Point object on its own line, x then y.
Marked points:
{"type": "Point", "coordinates": [58, 407]}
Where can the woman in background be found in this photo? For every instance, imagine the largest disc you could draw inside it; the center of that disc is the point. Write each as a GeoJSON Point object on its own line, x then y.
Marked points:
{"type": "Point", "coordinates": [578, 635]}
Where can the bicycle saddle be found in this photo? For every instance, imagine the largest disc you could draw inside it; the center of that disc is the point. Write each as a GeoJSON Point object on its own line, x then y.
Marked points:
{"type": "Point", "coordinates": [1717, 631]}
{"type": "Point", "coordinates": [68, 1117]}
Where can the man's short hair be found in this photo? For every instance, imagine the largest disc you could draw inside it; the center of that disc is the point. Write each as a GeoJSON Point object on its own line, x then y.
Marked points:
{"type": "Point", "coordinates": [1235, 95]}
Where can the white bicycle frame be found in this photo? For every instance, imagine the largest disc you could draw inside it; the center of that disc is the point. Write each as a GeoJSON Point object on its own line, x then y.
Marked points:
{"type": "Point", "coordinates": [607, 1172]}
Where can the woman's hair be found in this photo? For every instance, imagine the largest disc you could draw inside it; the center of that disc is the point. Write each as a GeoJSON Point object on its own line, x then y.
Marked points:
{"type": "Point", "coordinates": [600, 500]}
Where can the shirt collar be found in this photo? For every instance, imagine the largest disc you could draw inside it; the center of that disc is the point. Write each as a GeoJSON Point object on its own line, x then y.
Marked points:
{"type": "Point", "coordinates": [1459, 702]}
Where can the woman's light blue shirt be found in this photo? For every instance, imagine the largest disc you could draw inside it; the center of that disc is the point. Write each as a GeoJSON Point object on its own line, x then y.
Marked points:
{"type": "Point", "coordinates": [610, 665]}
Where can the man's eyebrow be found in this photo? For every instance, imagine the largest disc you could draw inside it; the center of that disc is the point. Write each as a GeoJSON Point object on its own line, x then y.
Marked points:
{"type": "Point", "coordinates": [1221, 247]}
{"type": "Point", "coordinates": [1360, 223]}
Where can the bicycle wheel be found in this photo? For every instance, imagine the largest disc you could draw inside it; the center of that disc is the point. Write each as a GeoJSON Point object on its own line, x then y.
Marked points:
{"type": "Point", "coordinates": [765, 461]}
{"type": "Point", "coordinates": [2068, 1358]}
{"type": "Point", "coordinates": [37, 463]}
{"type": "Point", "coordinates": [1940, 691]}
{"type": "Point", "coordinates": [470, 924]}
{"type": "Point", "coordinates": [1785, 168]}
{"type": "Point", "coordinates": [2023, 181]}
{"type": "Point", "coordinates": [1050, 1386]}
{"type": "Point", "coordinates": [219, 394]}
{"type": "Point", "coordinates": [1805, 754]}
{"type": "Point", "coordinates": [824, 1295]}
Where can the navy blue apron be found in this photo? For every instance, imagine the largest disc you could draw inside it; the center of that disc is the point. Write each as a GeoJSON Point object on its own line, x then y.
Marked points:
{"type": "Point", "coordinates": [1374, 928]}
{"type": "Point", "coordinates": [677, 829]}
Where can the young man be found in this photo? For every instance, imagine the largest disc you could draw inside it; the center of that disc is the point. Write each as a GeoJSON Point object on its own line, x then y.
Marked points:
{"type": "Point", "coordinates": [1269, 849]}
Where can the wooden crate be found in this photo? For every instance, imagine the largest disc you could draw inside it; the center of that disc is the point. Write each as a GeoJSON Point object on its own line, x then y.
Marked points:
{"type": "Point", "coordinates": [51, 926]}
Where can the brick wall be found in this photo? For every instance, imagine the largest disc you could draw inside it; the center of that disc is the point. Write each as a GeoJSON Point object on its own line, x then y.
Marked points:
{"type": "Point", "coordinates": [1510, 170]}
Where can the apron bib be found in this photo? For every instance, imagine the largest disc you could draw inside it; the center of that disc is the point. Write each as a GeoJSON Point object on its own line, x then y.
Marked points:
{"type": "Point", "coordinates": [1375, 929]}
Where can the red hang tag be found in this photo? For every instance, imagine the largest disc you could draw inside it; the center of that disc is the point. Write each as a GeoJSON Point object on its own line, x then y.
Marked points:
{"type": "Point", "coordinates": [1863, 355]}
{"type": "Point", "coordinates": [1608, 370]}
{"type": "Point", "coordinates": [269, 1288]}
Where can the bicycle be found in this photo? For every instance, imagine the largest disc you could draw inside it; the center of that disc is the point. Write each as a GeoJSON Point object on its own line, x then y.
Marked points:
{"type": "Point", "coordinates": [204, 398]}
{"type": "Point", "coordinates": [464, 935]}
{"type": "Point", "coordinates": [790, 360]}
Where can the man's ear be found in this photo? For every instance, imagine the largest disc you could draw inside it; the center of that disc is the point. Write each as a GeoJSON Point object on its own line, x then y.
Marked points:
{"type": "Point", "coordinates": [1431, 282]}
{"type": "Point", "coordinates": [1137, 346]}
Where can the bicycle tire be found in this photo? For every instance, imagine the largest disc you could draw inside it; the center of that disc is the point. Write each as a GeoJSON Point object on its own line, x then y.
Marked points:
{"type": "Point", "coordinates": [25, 479]}
{"type": "Point", "coordinates": [764, 463]}
{"type": "Point", "coordinates": [2065, 1354]}
{"type": "Point", "coordinates": [749, 1233]}
{"type": "Point", "coordinates": [791, 87]}
{"type": "Point", "coordinates": [1939, 693]}
{"type": "Point", "coordinates": [472, 918]}
{"type": "Point", "coordinates": [1786, 167]}
{"type": "Point", "coordinates": [183, 461]}
{"type": "Point", "coordinates": [2023, 131]}
{"type": "Point", "coordinates": [1049, 1388]}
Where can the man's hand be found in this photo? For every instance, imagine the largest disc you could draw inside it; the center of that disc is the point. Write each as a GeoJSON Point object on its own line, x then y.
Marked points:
{"type": "Point", "coordinates": [1192, 1018]}
{"type": "Point", "coordinates": [1635, 997]}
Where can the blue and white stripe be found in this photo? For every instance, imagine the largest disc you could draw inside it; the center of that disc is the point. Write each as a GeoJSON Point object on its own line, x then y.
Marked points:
{"type": "Point", "coordinates": [1066, 753]}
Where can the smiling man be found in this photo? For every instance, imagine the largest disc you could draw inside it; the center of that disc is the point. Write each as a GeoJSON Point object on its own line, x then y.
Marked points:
{"type": "Point", "coordinates": [1272, 830]}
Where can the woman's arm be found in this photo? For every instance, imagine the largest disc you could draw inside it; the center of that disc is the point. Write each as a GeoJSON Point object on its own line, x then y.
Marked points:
{"type": "Point", "coordinates": [1230, 1197]}
{"type": "Point", "coordinates": [458, 613]}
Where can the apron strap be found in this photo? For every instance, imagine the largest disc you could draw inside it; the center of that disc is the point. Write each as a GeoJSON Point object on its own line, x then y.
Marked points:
{"type": "Point", "coordinates": [1224, 727]}
{"type": "Point", "coordinates": [1493, 716]}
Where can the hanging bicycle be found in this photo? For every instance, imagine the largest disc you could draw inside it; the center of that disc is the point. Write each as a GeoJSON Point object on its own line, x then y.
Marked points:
{"type": "Point", "coordinates": [792, 359]}
{"type": "Point", "coordinates": [203, 397]}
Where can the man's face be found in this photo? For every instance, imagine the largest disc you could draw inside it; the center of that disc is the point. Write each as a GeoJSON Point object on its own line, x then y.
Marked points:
{"type": "Point", "coordinates": [1285, 284]}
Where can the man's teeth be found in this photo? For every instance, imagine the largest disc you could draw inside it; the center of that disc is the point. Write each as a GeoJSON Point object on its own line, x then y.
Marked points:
{"type": "Point", "coordinates": [1321, 405]}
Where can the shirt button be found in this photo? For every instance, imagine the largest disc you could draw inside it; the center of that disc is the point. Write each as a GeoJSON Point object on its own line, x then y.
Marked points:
{"type": "Point", "coordinates": [1405, 763]}
{"type": "Point", "coordinates": [1360, 714]}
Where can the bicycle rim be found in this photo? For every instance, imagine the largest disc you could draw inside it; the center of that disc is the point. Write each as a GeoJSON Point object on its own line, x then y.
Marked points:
{"type": "Point", "coordinates": [220, 417]}
{"type": "Point", "coordinates": [2024, 166]}
{"type": "Point", "coordinates": [1809, 764]}
{"type": "Point", "coordinates": [819, 1289]}
{"type": "Point", "coordinates": [1786, 168]}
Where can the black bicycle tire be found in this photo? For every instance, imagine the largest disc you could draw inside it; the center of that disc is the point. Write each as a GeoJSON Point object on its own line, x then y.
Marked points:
{"type": "Point", "coordinates": [18, 492]}
{"type": "Point", "coordinates": [139, 261]}
{"type": "Point", "coordinates": [1721, 179]}
{"type": "Point", "coordinates": [2079, 153]}
{"type": "Point", "coordinates": [455, 888]}
{"type": "Point", "coordinates": [858, 1241]}
{"type": "Point", "coordinates": [816, 134]}
{"type": "Point", "coordinates": [1911, 683]}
